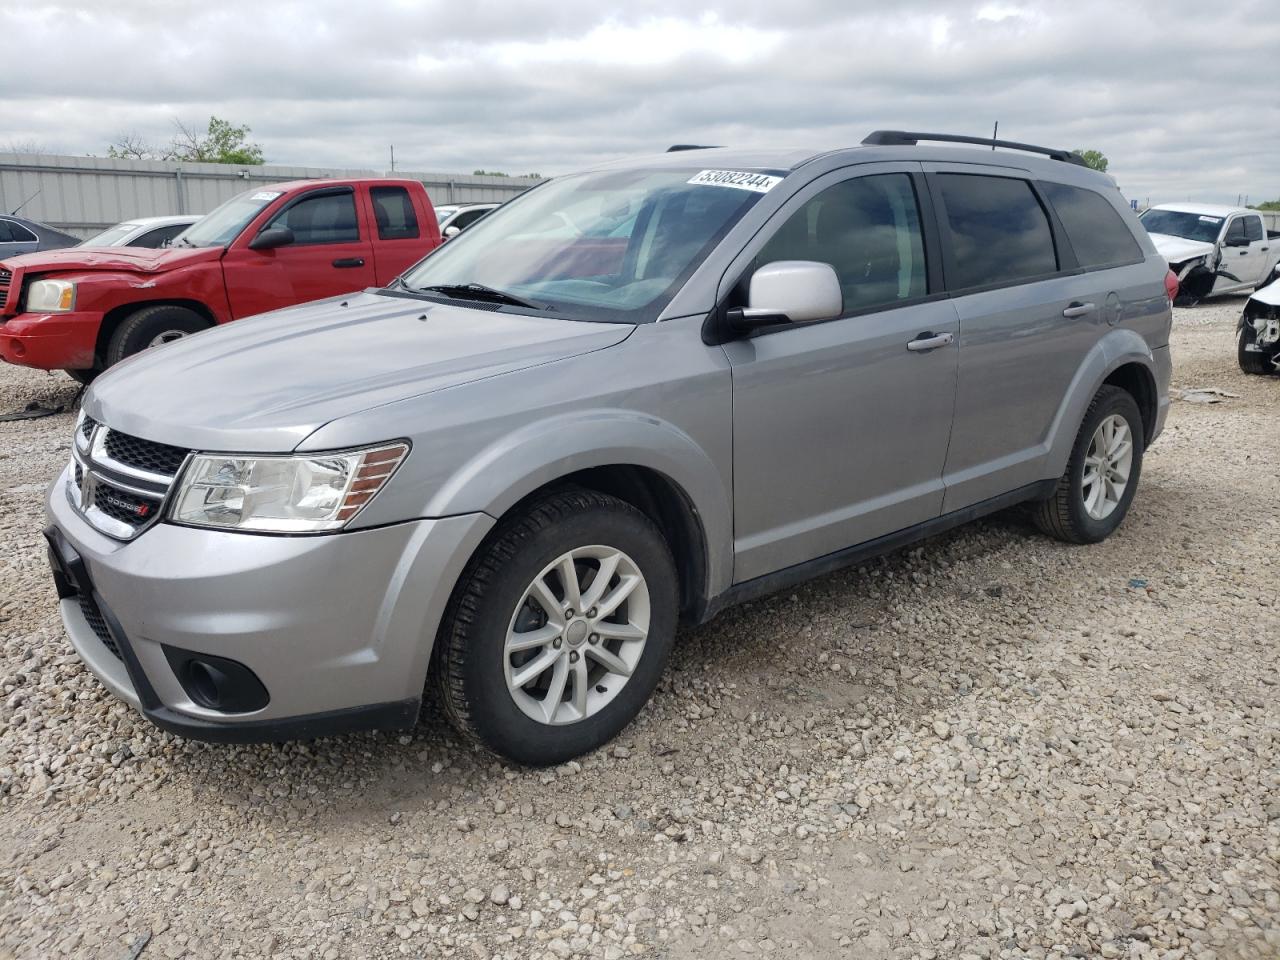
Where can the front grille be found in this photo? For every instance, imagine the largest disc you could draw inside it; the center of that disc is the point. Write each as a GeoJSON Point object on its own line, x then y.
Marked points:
{"type": "Point", "coordinates": [121, 481]}
{"type": "Point", "coordinates": [6, 276]}
{"type": "Point", "coordinates": [97, 623]}
{"type": "Point", "coordinates": [124, 506]}
{"type": "Point", "coordinates": [144, 454]}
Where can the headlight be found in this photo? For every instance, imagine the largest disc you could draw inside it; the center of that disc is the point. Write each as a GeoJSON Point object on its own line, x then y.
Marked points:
{"type": "Point", "coordinates": [300, 494]}
{"type": "Point", "coordinates": [51, 296]}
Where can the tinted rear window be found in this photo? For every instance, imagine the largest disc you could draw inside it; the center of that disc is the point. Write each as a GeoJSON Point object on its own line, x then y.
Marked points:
{"type": "Point", "coordinates": [1253, 228]}
{"type": "Point", "coordinates": [997, 230]}
{"type": "Point", "coordinates": [1097, 232]}
{"type": "Point", "coordinates": [393, 210]}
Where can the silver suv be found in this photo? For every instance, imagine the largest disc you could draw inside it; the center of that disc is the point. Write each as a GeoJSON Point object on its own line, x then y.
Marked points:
{"type": "Point", "coordinates": [627, 399]}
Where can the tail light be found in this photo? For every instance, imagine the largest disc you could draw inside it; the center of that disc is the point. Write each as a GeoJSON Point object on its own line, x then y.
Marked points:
{"type": "Point", "coordinates": [1171, 286]}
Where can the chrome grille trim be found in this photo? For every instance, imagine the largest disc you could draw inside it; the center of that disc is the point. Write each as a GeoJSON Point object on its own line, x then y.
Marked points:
{"type": "Point", "coordinates": [96, 474]}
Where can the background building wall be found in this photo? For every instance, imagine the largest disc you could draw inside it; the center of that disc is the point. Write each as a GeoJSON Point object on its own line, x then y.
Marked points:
{"type": "Point", "coordinates": [82, 195]}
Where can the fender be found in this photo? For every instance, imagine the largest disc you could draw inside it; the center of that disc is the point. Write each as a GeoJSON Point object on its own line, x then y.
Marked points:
{"type": "Point", "coordinates": [1118, 347]}
{"type": "Point", "coordinates": [547, 450]}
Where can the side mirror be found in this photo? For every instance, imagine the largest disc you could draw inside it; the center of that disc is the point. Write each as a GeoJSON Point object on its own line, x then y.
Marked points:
{"type": "Point", "coordinates": [271, 238]}
{"type": "Point", "coordinates": [1239, 240]}
{"type": "Point", "coordinates": [789, 291]}
{"type": "Point", "coordinates": [450, 232]}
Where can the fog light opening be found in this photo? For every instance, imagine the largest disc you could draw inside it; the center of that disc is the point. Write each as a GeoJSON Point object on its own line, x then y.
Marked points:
{"type": "Point", "coordinates": [204, 684]}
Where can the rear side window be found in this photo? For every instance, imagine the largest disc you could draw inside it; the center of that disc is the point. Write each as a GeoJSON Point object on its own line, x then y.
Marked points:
{"type": "Point", "coordinates": [1097, 232]}
{"type": "Point", "coordinates": [868, 229]}
{"type": "Point", "coordinates": [997, 230]}
{"type": "Point", "coordinates": [321, 218]}
{"type": "Point", "coordinates": [393, 210]}
{"type": "Point", "coordinates": [1252, 228]}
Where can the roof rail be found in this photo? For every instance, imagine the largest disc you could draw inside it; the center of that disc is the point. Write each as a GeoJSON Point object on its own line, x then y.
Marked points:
{"type": "Point", "coordinates": [904, 138]}
{"type": "Point", "coordinates": [677, 147]}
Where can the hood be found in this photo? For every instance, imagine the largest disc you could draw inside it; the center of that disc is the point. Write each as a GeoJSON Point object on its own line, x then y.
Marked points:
{"type": "Point", "coordinates": [1270, 294]}
{"type": "Point", "coordinates": [266, 383]}
{"type": "Point", "coordinates": [132, 259]}
{"type": "Point", "coordinates": [1179, 249]}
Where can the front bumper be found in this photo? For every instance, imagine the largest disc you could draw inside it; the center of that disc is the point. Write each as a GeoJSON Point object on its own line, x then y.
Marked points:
{"type": "Point", "coordinates": [51, 341]}
{"type": "Point", "coordinates": [338, 628]}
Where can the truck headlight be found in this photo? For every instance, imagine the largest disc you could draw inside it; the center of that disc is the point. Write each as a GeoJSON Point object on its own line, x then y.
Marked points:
{"type": "Point", "coordinates": [51, 296]}
{"type": "Point", "coordinates": [310, 493]}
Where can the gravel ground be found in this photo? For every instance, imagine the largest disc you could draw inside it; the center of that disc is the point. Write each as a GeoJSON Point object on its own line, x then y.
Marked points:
{"type": "Point", "coordinates": [991, 745]}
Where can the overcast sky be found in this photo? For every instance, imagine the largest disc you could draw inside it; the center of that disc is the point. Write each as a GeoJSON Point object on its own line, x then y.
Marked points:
{"type": "Point", "coordinates": [1181, 96]}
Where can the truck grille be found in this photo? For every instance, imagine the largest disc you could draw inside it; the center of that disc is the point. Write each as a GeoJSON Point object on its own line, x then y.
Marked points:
{"type": "Point", "coordinates": [121, 481]}
{"type": "Point", "coordinates": [6, 277]}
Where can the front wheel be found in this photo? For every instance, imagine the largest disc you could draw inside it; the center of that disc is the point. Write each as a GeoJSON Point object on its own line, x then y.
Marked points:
{"type": "Point", "coordinates": [1094, 492]}
{"type": "Point", "coordinates": [1252, 359]}
{"type": "Point", "coordinates": [559, 628]}
{"type": "Point", "coordinates": [152, 327]}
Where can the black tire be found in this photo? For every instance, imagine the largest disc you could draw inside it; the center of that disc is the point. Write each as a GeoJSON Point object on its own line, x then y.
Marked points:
{"type": "Point", "coordinates": [468, 662]}
{"type": "Point", "coordinates": [140, 329]}
{"type": "Point", "coordinates": [1251, 361]}
{"type": "Point", "coordinates": [84, 377]}
{"type": "Point", "coordinates": [1064, 515]}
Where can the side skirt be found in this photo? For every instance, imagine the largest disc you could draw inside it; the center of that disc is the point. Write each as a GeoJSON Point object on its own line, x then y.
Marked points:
{"type": "Point", "coordinates": [790, 576]}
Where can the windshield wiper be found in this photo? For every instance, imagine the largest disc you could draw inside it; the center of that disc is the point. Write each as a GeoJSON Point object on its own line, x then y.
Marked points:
{"type": "Point", "coordinates": [478, 291]}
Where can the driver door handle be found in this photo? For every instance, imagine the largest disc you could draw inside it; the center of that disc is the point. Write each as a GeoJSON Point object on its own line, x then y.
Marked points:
{"type": "Point", "coordinates": [1078, 309]}
{"type": "Point", "coordinates": [349, 262]}
{"type": "Point", "coordinates": [930, 341]}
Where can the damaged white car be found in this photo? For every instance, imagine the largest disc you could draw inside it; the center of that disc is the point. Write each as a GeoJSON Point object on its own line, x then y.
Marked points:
{"type": "Point", "coordinates": [1258, 334]}
{"type": "Point", "coordinates": [1211, 249]}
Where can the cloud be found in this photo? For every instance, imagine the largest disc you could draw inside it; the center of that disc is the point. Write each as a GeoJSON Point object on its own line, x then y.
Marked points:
{"type": "Point", "coordinates": [1178, 96]}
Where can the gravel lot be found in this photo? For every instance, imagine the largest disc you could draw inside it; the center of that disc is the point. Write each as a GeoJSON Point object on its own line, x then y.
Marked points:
{"type": "Point", "coordinates": [991, 745]}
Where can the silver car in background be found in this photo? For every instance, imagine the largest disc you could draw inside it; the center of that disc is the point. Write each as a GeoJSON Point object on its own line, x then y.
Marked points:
{"type": "Point", "coordinates": [629, 398]}
{"type": "Point", "coordinates": [153, 232]}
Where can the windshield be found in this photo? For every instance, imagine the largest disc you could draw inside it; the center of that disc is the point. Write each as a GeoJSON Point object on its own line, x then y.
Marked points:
{"type": "Point", "coordinates": [1188, 226]}
{"type": "Point", "coordinates": [225, 223]}
{"type": "Point", "coordinates": [613, 246]}
{"type": "Point", "coordinates": [111, 236]}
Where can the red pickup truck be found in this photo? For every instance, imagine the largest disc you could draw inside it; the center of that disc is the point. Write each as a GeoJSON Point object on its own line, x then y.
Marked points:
{"type": "Point", "coordinates": [84, 309]}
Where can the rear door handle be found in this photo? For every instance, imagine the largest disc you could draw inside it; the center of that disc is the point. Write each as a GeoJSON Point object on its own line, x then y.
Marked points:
{"type": "Point", "coordinates": [930, 341]}
{"type": "Point", "coordinates": [349, 262]}
{"type": "Point", "coordinates": [1078, 310]}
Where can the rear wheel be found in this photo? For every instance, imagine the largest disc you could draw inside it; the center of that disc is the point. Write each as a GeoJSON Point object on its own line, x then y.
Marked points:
{"type": "Point", "coordinates": [1251, 361]}
{"type": "Point", "coordinates": [152, 327]}
{"type": "Point", "coordinates": [559, 629]}
{"type": "Point", "coordinates": [1094, 492]}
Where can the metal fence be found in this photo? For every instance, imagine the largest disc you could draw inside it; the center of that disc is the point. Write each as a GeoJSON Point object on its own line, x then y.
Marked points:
{"type": "Point", "coordinates": [82, 195]}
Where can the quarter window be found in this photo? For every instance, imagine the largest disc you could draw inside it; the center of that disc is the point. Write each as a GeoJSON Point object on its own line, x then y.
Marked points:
{"type": "Point", "coordinates": [1098, 234]}
{"type": "Point", "coordinates": [393, 211]}
{"type": "Point", "coordinates": [997, 230]}
{"type": "Point", "coordinates": [868, 229]}
{"type": "Point", "coordinates": [321, 218]}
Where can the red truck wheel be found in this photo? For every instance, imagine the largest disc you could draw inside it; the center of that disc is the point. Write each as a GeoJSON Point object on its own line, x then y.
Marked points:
{"type": "Point", "coordinates": [151, 327]}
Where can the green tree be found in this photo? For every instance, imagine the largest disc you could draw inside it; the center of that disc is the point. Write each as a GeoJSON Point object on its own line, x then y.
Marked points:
{"type": "Point", "coordinates": [1094, 159]}
{"type": "Point", "coordinates": [221, 142]}
{"type": "Point", "coordinates": [1269, 205]}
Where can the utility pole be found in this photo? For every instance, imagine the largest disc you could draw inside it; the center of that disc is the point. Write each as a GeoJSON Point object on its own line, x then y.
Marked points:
{"type": "Point", "coordinates": [994, 131]}
{"type": "Point", "coordinates": [393, 158]}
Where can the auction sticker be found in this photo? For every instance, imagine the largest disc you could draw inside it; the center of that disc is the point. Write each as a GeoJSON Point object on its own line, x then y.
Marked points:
{"type": "Point", "coordinates": [1210, 219]}
{"type": "Point", "coordinates": [738, 179]}
{"type": "Point", "coordinates": [265, 195]}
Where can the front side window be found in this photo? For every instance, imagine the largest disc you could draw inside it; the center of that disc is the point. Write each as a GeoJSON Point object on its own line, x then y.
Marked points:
{"type": "Point", "coordinates": [468, 217]}
{"type": "Point", "coordinates": [997, 230]}
{"type": "Point", "coordinates": [1098, 234]}
{"type": "Point", "coordinates": [159, 237]}
{"type": "Point", "coordinates": [613, 246]}
{"type": "Point", "coordinates": [868, 230]}
{"type": "Point", "coordinates": [321, 218]}
{"type": "Point", "coordinates": [393, 211]}
{"type": "Point", "coordinates": [1235, 230]}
